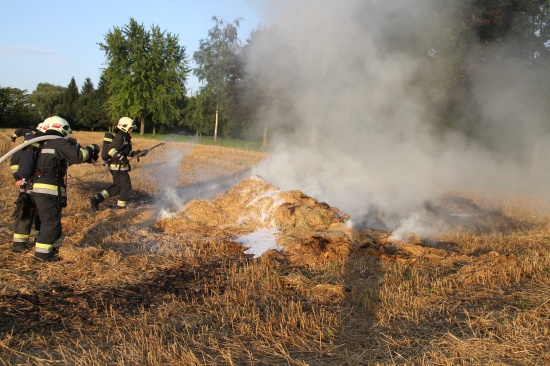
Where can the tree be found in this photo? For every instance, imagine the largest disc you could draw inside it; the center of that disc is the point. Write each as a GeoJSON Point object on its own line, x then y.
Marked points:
{"type": "Point", "coordinates": [101, 104]}
{"type": "Point", "coordinates": [68, 108]}
{"type": "Point", "coordinates": [490, 30]}
{"type": "Point", "coordinates": [199, 111]}
{"type": "Point", "coordinates": [146, 73]}
{"type": "Point", "coordinates": [90, 111]}
{"type": "Point", "coordinates": [261, 96]}
{"type": "Point", "coordinates": [216, 59]}
{"type": "Point", "coordinates": [16, 109]}
{"type": "Point", "coordinates": [85, 106]}
{"type": "Point", "coordinates": [47, 99]}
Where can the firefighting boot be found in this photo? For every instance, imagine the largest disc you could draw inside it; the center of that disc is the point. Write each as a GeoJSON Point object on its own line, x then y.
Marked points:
{"type": "Point", "coordinates": [43, 256]}
{"type": "Point", "coordinates": [53, 256]}
{"type": "Point", "coordinates": [18, 247]}
{"type": "Point", "coordinates": [94, 204]}
{"type": "Point", "coordinates": [121, 205]}
{"type": "Point", "coordinates": [97, 199]}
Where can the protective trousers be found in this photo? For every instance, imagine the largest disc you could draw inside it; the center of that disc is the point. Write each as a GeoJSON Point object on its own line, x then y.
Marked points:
{"type": "Point", "coordinates": [49, 238]}
{"type": "Point", "coordinates": [23, 223]}
{"type": "Point", "coordinates": [122, 186]}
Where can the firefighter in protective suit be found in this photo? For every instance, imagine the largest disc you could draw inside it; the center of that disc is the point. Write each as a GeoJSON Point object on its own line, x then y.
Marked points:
{"type": "Point", "coordinates": [24, 213]}
{"type": "Point", "coordinates": [22, 132]}
{"type": "Point", "coordinates": [117, 159]}
{"type": "Point", "coordinates": [49, 186]}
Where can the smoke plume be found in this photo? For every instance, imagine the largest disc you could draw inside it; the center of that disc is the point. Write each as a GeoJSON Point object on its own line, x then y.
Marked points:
{"type": "Point", "coordinates": [362, 82]}
{"type": "Point", "coordinates": [169, 202]}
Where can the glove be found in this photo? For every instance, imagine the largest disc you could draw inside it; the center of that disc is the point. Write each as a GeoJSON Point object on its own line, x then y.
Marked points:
{"type": "Point", "coordinates": [21, 184]}
{"type": "Point", "coordinates": [95, 148]}
{"type": "Point", "coordinates": [22, 207]}
{"type": "Point", "coordinates": [93, 151]}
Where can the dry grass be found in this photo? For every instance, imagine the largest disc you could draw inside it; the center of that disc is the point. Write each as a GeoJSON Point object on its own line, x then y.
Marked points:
{"type": "Point", "coordinates": [135, 290]}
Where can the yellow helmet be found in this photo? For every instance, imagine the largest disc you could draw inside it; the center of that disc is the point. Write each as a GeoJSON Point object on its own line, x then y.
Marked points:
{"type": "Point", "coordinates": [125, 123]}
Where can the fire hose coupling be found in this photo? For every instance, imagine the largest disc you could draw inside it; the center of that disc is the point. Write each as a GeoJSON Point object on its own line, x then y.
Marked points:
{"type": "Point", "coordinates": [23, 185]}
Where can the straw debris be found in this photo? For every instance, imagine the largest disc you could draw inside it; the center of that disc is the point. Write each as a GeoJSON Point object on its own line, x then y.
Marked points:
{"type": "Point", "coordinates": [308, 230]}
{"type": "Point", "coordinates": [133, 289]}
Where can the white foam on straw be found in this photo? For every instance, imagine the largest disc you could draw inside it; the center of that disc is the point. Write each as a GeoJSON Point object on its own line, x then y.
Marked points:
{"type": "Point", "coordinates": [259, 242]}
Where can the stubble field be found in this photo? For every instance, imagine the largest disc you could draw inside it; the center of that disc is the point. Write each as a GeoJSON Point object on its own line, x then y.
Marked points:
{"type": "Point", "coordinates": [165, 282]}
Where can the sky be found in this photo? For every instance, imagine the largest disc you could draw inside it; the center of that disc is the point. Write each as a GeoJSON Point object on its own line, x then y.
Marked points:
{"type": "Point", "coordinates": [53, 41]}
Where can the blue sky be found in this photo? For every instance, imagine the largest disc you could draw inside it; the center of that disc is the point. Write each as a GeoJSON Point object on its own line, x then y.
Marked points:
{"type": "Point", "coordinates": [52, 41]}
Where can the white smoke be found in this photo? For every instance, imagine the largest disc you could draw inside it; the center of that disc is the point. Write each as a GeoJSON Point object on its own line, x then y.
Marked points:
{"type": "Point", "coordinates": [355, 130]}
{"type": "Point", "coordinates": [200, 184]}
{"type": "Point", "coordinates": [169, 202]}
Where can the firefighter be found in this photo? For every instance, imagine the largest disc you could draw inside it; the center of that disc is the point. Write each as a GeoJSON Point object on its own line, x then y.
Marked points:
{"type": "Point", "coordinates": [119, 166]}
{"type": "Point", "coordinates": [24, 214]}
{"type": "Point", "coordinates": [21, 132]}
{"type": "Point", "coordinates": [48, 181]}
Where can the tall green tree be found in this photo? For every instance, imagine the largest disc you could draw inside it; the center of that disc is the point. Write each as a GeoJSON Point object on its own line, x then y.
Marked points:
{"type": "Point", "coordinates": [145, 75]}
{"type": "Point", "coordinates": [216, 61]}
{"type": "Point", "coordinates": [47, 99]}
{"type": "Point", "coordinates": [15, 109]}
{"type": "Point", "coordinates": [490, 30]}
{"type": "Point", "coordinates": [101, 98]}
{"type": "Point", "coordinates": [101, 103]}
{"type": "Point", "coordinates": [199, 112]}
{"type": "Point", "coordinates": [90, 112]}
{"type": "Point", "coordinates": [84, 106]}
{"type": "Point", "coordinates": [68, 108]}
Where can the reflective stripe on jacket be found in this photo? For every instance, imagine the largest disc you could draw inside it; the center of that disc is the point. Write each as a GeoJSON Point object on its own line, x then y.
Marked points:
{"type": "Point", "coordinates": [55, 157]}
{"type": "Point", "coordinates": [48, 189]}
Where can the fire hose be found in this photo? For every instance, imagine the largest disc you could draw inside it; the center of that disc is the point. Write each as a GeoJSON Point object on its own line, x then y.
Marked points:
{"type": "Point", "coordinates": [143, 152]}
{"type": "Point", "coordinates": [27, 143]}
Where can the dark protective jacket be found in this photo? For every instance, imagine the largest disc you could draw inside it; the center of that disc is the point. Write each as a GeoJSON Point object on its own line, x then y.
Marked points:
{"type": "Point", "coordinates": [27, 157]}
{"type": "Point", "coordinates": [14, 160]}
{"type": "Point", "coordinates": [121, 149]}
{"type": "Point", "coordinates": [54, 157]}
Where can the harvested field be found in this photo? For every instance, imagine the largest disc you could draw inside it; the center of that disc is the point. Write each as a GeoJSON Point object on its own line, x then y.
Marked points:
{"type": "Point", "coordinates": [171, 280]}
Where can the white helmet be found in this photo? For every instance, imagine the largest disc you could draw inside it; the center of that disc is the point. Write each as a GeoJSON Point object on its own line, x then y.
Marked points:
{"type": "Point", "coordinates": [58, 124]}
{"type": "Point", "coordinates": [40, 127]}
{"type": "Point", "coordinates": [125, 123]}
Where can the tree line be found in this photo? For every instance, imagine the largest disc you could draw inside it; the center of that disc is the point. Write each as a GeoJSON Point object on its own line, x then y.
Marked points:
{"type": "Point", "coordinates": [147, 71]}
